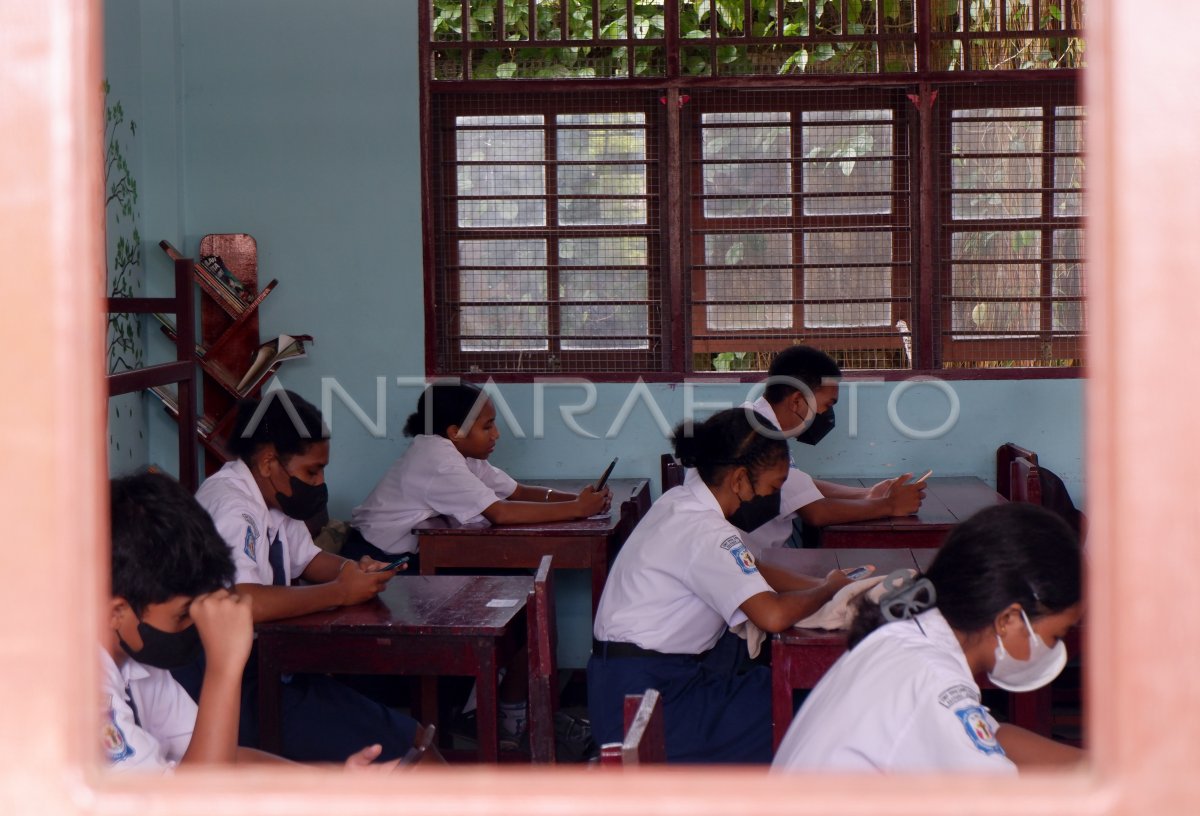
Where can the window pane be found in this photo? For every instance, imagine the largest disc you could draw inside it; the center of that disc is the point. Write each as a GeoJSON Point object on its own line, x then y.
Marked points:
{"type": "Point", "coordinates": [751, 161]}
{"type": "Point", "coordinates": [836, 146]}
{"type": "Point", "coordinates": [597, 146]}
{"type": "Point", "coordinates": [583, 324]}
{"type": "Point", "coordinates": [994, 181]}
{"type": "Point", "coordinates": [1068, 170]}
{"type": "Point", "coordinates": [750, 283]}
{"type": "Point", "coordinates": [1068, 280]}
{"type": "Point", "coordinates": [577, 282]}
{"type": "Point", "coordinates": [491, 272]}
{"type": "Point", "coordinates": [853, 279]}
{"type": "Point", "coordinates": [1013, 277]}
{"type": "Point", "coordinates": [506, 171]}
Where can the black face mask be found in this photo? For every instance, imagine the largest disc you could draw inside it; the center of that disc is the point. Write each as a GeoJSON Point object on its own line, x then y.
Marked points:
{"type": "Point", "coordinates": [306, 500]}
{"type": "Point", "coordinates": [756, 512]}
{"type": "Point", "coordinates": [165, 650]}
{"type": "Point", "coordinates": [821, 425]}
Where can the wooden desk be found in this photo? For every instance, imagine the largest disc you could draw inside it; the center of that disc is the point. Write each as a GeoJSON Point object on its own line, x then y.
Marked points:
{"type": "Point", "coordinates": [419, 625]}
{"type": "Point", "coordinates": [948, 500]}
{"type": "Point", "coordinates": [589, 544]}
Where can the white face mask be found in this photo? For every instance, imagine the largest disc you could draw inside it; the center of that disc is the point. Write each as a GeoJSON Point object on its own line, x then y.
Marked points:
{"type": "Point", "coordinates": [1044, 663]}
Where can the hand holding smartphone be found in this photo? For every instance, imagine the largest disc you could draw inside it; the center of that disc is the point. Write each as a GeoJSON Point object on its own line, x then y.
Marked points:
{"type": "Point", "coordinates": [399, 562]}
{"type": "Point", "coordinates": [859, 572]}
{"type": "Point", "coordinates": [921, 479]}
{"type": "Point", "coordinates": [607, 471]}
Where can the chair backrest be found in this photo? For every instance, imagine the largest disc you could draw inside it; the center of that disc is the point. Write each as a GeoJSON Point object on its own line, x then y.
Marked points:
{"type": "Point", "coordinates": [1025, 482]}
{"type": "Point", "coordinates": [645, 737]}
{"type": "Point", "coordinates": [1005, 454]}
{"type": "Point", "coordinates": [672, 472]}
{"type": "Point", "coordinates": [543, 663]}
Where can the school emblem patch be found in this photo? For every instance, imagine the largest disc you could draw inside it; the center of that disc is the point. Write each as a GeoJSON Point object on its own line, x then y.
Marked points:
{"type": "Point", "coordinates": [974, 720]}
{"type": "Point", "coordinates": [744, 558]}
{"type": "Point", "coordinates": [250, 548]}
{"type": "Point", "coordinates": [116, 747]}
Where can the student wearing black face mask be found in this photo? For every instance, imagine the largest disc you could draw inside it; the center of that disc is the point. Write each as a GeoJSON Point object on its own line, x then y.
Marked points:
{"type": "Point", "coordinates": [171, 575]}
{"type": "Point", "coordinates": [680, 581]}
{"type": "Point", "coordinates": [799, 399]}
{"type": "Point", "coordinates": [259, 503]}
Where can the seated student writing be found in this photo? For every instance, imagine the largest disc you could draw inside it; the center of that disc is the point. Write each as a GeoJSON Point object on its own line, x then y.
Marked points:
{"type": "Point", "coordinates": [998, 599]}
{"type": "Point", "coordinates": [445, 472]}
{"type": "Point", "coordinates": [797, 375]}
{"type": "Point", "coordinates": [680, 581]}
{"type": "Point", "coordinates": [258, 503]}
{"type": "Point", "coordinates": [171, 574]}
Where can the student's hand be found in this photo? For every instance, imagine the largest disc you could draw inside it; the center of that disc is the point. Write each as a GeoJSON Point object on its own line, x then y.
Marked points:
{"type": "Point", "coordinates": [879, 490]}
{"type": "Point", "coordinates": [836, 579]}
{"type": "Point", "coordinates": [365, 760]}
{"type": "Point", "coordinates": [358, 585]}
{"type": "Point", "coordinates": [905, 499]}
{"type": "Point", "coordinates": [591, 501]}
{"type": "Point", "coordinates": [369, 564]}
{"type": "Point", "coordinates": [225, 624]}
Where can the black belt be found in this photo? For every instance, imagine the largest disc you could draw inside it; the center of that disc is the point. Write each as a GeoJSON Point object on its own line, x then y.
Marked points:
{"type": "Point", "coordinates": [612, 648]}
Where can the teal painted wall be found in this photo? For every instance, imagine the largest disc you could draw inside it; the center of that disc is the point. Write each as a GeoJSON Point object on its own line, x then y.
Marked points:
{"type": "Point", "coordinates": [297, 121]}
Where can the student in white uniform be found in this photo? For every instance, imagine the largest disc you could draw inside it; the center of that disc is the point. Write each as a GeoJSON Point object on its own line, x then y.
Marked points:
{"type": "Point", "coordinates": [258, 503]}
{"type": "Point", "coordinates": [997, 600]}
{"type": "Point", "coordinates": [445, 472]}
{"type": "Point", "coordinates": [802, 388]}
{"type": "Point", "coordinates": [170, 596]}
{"type": "Point", "coordinates": [681, 580]}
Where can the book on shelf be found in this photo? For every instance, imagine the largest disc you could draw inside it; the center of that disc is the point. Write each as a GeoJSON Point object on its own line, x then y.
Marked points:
{"type": "Point", "coordinates": [169, 328]}
{"type": "Point", "coordinates": [215, 278]}
{"type": "Point", "coordinates": [269, 355]}
{"type": "Point", "coordinates": [170, 400]}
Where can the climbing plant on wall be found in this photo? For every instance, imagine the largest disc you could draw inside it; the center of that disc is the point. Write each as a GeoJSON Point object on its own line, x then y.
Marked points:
{"type": "Point", "coordinates": [124, 266]}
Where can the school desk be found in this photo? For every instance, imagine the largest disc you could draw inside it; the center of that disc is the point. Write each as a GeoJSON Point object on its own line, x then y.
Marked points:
{"type": "Point", "coordinates": [948, 500]}
{"type": "Point", "coordinates": [800, 657]}
{"type": "Point", "coordinates": [465, 625]}
{"type": "Point", "coordinates": [588, 544]}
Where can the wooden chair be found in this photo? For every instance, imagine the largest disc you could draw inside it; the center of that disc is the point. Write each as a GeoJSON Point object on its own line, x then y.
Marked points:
{"type": "Point", "coordinates": [543, 664]}
{"type": "Point", "coordinates": [1024, 481]}
{"type": "Point", "coordinates": [672, 472]}
{"type": "Point", "coordinates": [645, 737]}
{"type": "Point", "coordinates": [1005, 454]}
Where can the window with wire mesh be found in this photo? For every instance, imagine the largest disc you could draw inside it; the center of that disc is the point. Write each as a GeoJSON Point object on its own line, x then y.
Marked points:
{"type": "Point", "coordinates": [547, 234]}
{"type": "Point", "coordinates": [1005, 35]}
{"type": "Point", "coordinates": [1011, 241]}
{"type": "Point", "coordinates": [800, 228]}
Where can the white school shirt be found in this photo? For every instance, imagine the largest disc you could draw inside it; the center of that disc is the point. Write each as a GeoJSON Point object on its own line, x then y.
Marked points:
{"type": "Point", "coordinates": [902, 700]}
{"type": "Point", "coordinates": [431, 478]}
{"type": "Point", "coordinates": [679, 580]}
{"type": "Point", "coordinates": [798, 490]}
{"type": "Point", "coordinates": [166, 713]}
{"type": "Point", "coordinates": [232, 498]}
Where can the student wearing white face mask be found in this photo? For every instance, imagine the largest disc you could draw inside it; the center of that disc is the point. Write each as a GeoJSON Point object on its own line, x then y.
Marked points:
{"type": "Point", "coordinates": [998, 599]}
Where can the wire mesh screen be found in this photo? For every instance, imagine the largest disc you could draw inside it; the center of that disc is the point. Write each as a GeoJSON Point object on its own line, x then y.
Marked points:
{"type": "Point", "coordinates": [1011, 241]}
{"type": "Point", "coordinates": [548, 238]}
{"type": "Point", "coordinates": [801, 228]}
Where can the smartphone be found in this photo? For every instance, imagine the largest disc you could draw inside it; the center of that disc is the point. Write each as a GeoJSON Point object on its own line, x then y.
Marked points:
{"type": "Point", "coordinates": [607, 471]}
{"type": "Point", "coordinates": [922, 477]}
{"type": "Point", "coordinates": [399, 562]}
{"type": "Point", "coordinates": [859, 572]}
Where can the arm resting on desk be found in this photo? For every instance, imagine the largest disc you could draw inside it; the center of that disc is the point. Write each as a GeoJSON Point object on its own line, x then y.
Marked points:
{"type": "Point", "coordinates": [899, 499]}
{"type": "Point", "coordinates": [1029, 750]}
{"type": "Point", "coordinates": [587, 503]}
{"type": "Point", "coordinates": [776, 611]}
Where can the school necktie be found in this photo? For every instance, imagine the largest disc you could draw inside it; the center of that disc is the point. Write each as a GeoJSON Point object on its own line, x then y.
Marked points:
{"type": "Point", "coordinates": [137, 720]}
{"type": "Point", "coordinates": [275, 557]}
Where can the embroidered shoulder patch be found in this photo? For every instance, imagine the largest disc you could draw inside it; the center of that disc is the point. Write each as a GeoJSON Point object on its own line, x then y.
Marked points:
{"type": "Point", "coordinates": [116, 747]}
{"type": "Point", "coordinates": [956, 694]}
{"type": "Point", "coordinates": [730, 543]}
{"type": "Point", "coordinates": [250, 548]}
{"type": "Point", "coordinates": [744, 558]}
{"type": "Point", "coordinates": [974, 720]}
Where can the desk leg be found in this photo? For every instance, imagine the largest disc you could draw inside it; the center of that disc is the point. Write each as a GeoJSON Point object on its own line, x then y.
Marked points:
{"type": "Point", "coordinates": [487, 711]}
{"type": "Point", "coordinates": [781, 691]}
{"type": "Point", "coordinates": [270, 725]}
{"type": "Point", "coordinates": [427, 703]}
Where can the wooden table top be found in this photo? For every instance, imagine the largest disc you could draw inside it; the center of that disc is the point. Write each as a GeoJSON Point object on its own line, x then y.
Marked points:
{"type": "Point", "coordinates": [948, 500]}
{"type": "Point", "coordinates": [459, 605]}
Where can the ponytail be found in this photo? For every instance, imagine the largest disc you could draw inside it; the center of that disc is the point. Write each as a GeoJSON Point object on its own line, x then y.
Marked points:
{"type": "Point", "coordinates": [442, 405]}
{"type": "Point", "coordinates": [730, 438]}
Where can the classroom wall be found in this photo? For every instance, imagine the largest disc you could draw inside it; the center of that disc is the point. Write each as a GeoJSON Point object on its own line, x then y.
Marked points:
{"type": "Point", "coordinates": [297, 121]}
{"type": "Point", "coordinates": [128, 442]}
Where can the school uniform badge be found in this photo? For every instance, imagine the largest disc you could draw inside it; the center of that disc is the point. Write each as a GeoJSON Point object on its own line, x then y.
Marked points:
{"type": "Point", "coordinates": [974, 720]}
{"type": "Point", "coordinates": [116, 747]}
{"type": "Point", "coordinates": [744, 558]}
{"type": "Point", "coordinates": [250, 547]}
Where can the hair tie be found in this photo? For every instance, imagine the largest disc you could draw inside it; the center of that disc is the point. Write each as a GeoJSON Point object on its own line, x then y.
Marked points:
{"type": "Point", "coordinates": [906, 596]}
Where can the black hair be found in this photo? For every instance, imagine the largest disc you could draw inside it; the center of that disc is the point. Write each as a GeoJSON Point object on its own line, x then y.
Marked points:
{"type": "Point", "coordinates": [442, 405]}
{"type": "Point", "coordinates": [164, 544]}
{"type": "Point", "coordinates": [1012, 553]}
{"type": "Point", "coordinates": [804, 363]}
{"type": "Point", "coordinates": [728, 439]}
{"type": "Point", "coordinates": [288, 421]}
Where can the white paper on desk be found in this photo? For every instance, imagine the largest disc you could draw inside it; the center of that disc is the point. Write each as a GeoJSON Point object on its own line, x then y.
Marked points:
{"type": "Point", "coordinates": [501, 603]}
{"type": "Point", "coordinates": [600, 516]}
